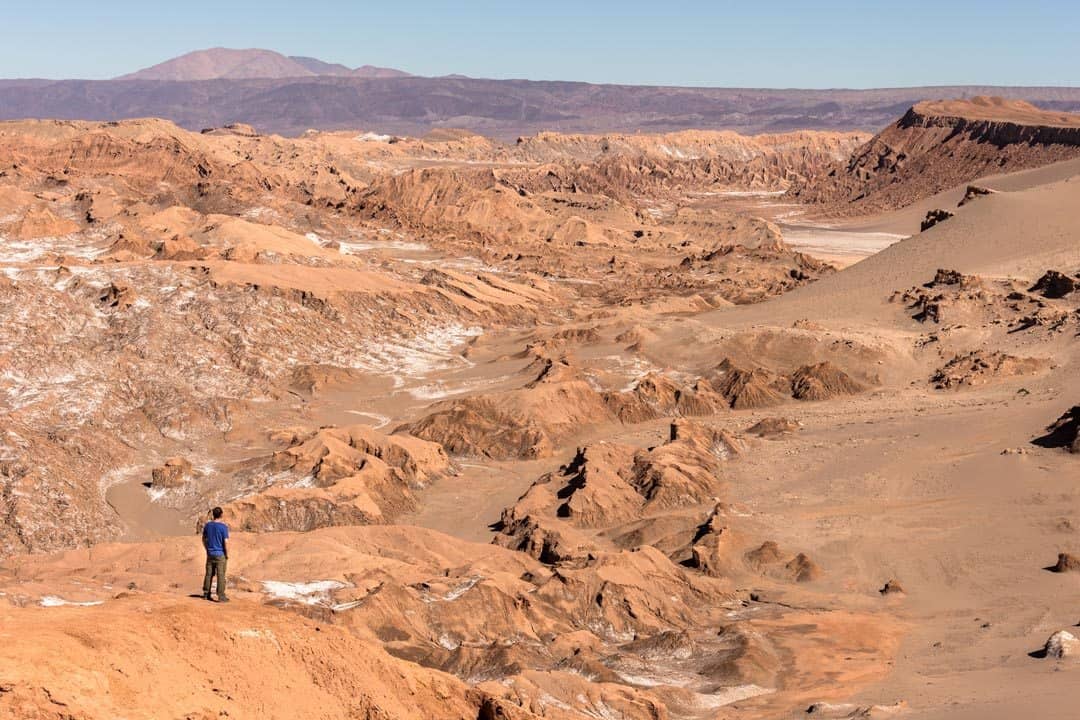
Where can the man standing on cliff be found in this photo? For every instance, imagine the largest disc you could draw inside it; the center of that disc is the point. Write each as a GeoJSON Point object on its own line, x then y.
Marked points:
{"type": "Point", "coordinates": [214, 537]}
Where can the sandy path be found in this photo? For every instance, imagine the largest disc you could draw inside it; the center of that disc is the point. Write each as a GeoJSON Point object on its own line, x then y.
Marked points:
{"type": "Point", "coordinates": [918, 490]}
{"type": "Point", "coordinates": [465, 506]}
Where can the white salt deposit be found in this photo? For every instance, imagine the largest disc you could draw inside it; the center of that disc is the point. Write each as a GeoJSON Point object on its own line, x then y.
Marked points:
{"type": "Point", "coordinates": [54, 601]}
{"type": "Point", "coordinates": [354, 247]}
{"type": "Point", "coordinates": [157, 494]}
{"type": "Point", "coordinates": [752, 193]}
{"type": "Point", "coordinates": [309, 593]}
{"type": "Point", "coordinates": [677, 153]}
{"type": "Point", "coordinates": [456, 592]}
{"type": "Point", "coordinates": [729, 695]}
{"type": "Point", "coordinates": [259, 212]}
{"type": "Point", "coordinates": [308, 481]}
{"type": "Point", "coordinates": [442, 389]}
{"type": "Point", "coordinates": [840, 242]}
{"type": "Point", "coordinates": [380, 420]}
{"type": "Point", "coordinates": [26, 251]}
{"type": "Point", "coordinates": [416, 356]}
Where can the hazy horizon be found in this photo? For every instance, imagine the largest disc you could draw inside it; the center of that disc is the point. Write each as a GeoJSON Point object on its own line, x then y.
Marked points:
{"type": "Point", "coordinates": [786, 45]}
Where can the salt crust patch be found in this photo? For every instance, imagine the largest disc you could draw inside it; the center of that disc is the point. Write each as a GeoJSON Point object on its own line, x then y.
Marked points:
{"type": "Point", "coordinates": [418, 355]}
{"type": "Point", "coordinates": [380, 420]}
{"type": "Point", "coordinates": [316, 592]}
{"type": "Point", "coordinates": [25, 251]}
{"type": "Point", "coordinates": [456, 592]}
{"type": "Point", "coordinates": [752, 193]}
{"type": "Point", "coordinates": [840, 241]}
{"type": "Point", "coordinates": [705, 701]}
{"type": "Point", "coordinates": [54, 601]}
{"type": "Point", "coordinates": [349, 247]}
{"type": "Point", "coordinates": [439, 389]}
{"type": "Point", "coordinates": [729, 695]}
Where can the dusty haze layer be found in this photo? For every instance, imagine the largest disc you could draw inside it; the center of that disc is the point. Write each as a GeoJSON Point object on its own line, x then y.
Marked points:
{"type": "Point", "coordinates": [289, 95]}
{"type": "Point", "coordinates": [575, 426]}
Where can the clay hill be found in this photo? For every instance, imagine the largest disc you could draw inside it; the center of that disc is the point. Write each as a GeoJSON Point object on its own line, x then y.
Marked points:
{"type": "Point", "coordinates": [226, 63]}
{"type": "Point", "coordinates": [289, 95]}
{"type": "Point", "coordinates": [563, 425]}
{"type": "Point", "coordinates": [940, 144]}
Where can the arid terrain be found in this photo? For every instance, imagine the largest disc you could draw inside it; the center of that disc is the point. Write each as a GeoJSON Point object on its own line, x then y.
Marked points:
{"type": "Point", "coordinates": [289, 95]}
{"type": "Point", "coordinates": [647, 426]}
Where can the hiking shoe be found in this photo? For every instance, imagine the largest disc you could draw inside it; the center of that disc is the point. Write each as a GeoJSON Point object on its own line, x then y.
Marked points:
{"type": "Point", "coordinates": [206, 596]}
{"type": "Point", "coordinates": [222, 598]}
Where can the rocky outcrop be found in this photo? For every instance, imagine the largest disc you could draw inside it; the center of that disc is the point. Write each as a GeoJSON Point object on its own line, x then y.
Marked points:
{"type": "Point", "coordinates": [1064, 432]}
{"type": "Point", "coordinates": [1055, 285]}
{"type": "Point", "coordinates": [714, 547]}
{"type": "Point", "coordinates": [1061, 645]}
{"type": "Point", "coordinates": [768, 559]}
{"type": "Point", "coordinates": [773, 427]}
{"type": "Point", "coordinates": [610, 483]}
{"type": "Point", "coordinates": [1066, 562]}
{"type": "Point", "coordinates": [974, 192]}
{"type": "Point", "coordinates": [779, 270]}
{"type": "Point", "coordinates": [534, 420]}
{"type": "Point", "coordinates": [117, 296]}
{"type": "Point", "coordinates": [657, 396]}
{"type": "Point", "coordinates": [40, 222]}
{"type": "Point", "coordinates": [802, 569]}
{"type": "Point", "coordinates": [743, 389]}
{"type": "Point", "coordinates": [936, 146]}
{"type": "Point", "coordinates": [528, 422]}
{"type": "Point", "coordinates": [953, 298]}
{"type": "Point", "coordinates": [174, 473]}
{"type": "Point", "coordinates": [933, 217]}
{"type": "Point", "coordinates": [892, 587]}
{"type": "Point", "coordinates": [823, 381]}
{"type": "Point", "coordinates": [338, 476]}
{"type": "Point", "coordinates": [981, 367]}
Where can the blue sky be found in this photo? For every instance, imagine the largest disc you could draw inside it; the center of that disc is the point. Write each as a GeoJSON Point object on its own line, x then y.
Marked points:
{"type": "Point", "coordinates": [839, 43]}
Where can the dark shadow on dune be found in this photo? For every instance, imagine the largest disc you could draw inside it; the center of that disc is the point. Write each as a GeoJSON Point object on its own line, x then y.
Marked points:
{"type": "Point", "coordinates": [1061, 434]}
{"type": "Point", "coordinates": [1058, 438]}
{"type": "Point", "coordinates": [1024, 324]}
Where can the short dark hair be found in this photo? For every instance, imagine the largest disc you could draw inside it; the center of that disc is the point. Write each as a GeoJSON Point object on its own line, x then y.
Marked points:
{"type": "Point", "coordinates": [218, 512]}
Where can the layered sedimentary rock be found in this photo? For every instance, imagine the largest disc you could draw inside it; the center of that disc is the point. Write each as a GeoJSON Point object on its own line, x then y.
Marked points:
{"type": "Point", "coordinates": [937, 145]}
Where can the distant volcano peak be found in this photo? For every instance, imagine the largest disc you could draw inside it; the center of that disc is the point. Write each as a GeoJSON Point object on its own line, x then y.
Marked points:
{"type": "Point", "coordinates": [244, 64]}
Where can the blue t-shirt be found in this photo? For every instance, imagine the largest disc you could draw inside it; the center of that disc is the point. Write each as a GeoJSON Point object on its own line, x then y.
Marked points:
{"type": "Point", "coordinates": [214, 536]}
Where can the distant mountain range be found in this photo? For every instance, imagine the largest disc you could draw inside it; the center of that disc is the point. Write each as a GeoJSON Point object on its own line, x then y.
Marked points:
{"type": "Point", "coordinates": [287, 95]}
{"type": "Point", "coordinates": [229, 64]}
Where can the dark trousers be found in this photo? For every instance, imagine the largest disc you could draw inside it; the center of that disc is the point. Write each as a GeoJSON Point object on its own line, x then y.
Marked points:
{"type": "Point", "coordinates": [215, 566]}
